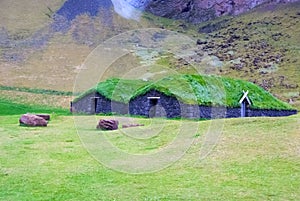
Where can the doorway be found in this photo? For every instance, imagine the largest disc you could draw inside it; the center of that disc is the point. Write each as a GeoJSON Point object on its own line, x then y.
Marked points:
{"type": "Point", "coordinates": [153, 104]}
{"type": "Point", "coordinates": [94, 105]}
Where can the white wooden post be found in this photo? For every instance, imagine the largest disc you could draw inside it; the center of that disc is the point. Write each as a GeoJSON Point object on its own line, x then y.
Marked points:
{"type": "Point", "coordinates": [243, 103]}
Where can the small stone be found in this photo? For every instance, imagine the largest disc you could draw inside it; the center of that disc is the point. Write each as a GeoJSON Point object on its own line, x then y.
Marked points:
{"type": "Point", "coordinates": [110, 124]}
{"type": "Point", "coordinates": [131, 125]}
{"type": "Point", "coordinates": [201, 42]}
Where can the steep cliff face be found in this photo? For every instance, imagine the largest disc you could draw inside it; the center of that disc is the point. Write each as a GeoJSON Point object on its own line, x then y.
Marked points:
{"type": "Point", "coordinates": [196, 11]}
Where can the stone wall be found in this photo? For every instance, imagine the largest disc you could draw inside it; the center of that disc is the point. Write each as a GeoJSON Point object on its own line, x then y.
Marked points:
{"type": "Point", "coordinates": [96, 103]}
{"type": "Point", "coordinates": [270, 113]}
{"type": "Point", "coordinates": [166, 106]}
{"type": "Point", "coordinates": [208, 112]}
{"type": "Point", "coordinates": [119, 108]}
{"type": "Point", "coordinates": [103, 104]}
{"type": "Point", "coordinates": [84, 105]}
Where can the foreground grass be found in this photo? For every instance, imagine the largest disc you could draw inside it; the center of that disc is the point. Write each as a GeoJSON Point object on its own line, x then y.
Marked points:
{"type": "Point", "coordinates": [255, 159]}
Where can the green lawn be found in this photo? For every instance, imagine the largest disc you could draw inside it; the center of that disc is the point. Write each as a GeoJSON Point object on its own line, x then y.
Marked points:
{"type": "Point", "coordinates": [255, 159]}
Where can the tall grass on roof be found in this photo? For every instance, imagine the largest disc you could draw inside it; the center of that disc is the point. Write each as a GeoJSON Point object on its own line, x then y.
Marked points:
{"type": "Point", "coordinates": [205, 90]}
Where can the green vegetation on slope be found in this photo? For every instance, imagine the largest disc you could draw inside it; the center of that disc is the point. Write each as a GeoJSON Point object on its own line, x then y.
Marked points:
{"type": "Point", "coordinates": [191, 89]}
{"type": "Point", "coordinates": [37, 91]}
{"type": "Point", "coordinates": [28, 98]}
{"type": "Point", "coordinates": [116, 89]}
{"type": "Point", "coordinates": [261, 46]}
{"type": "Point", "coordinates": [7, 107]}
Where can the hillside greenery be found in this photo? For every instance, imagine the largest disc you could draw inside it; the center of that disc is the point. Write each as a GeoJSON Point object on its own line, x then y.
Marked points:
{"type": "Point", "coordinates": [261, 46]}
{"type": "Point", "coordinates": [8, 107]}
{"type": "Point", "coordinates": [191, 89]}
{"type": "Point", "coordinates": [37, 91]}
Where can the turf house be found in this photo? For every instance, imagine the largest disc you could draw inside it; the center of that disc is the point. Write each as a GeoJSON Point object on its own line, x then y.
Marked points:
{"type": "Point", "coordinates": [181, 96]}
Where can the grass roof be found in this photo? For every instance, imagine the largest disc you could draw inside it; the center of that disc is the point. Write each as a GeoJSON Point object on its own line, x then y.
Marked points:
{"type": "Point", "coordinates": [116, 89]}
{"type": "Point", "coordinates": [191, 89]}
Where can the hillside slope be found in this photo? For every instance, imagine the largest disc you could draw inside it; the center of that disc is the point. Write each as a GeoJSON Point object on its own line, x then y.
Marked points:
{"type": "Point", "coordinates": [261, 46]}
{"type": "Point", "coordinates": [196, 11]}
{"type": "Point", "coordinates": [48, 53]}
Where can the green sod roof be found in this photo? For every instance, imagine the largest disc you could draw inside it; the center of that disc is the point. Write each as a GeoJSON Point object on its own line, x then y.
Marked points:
{"type": "Point", "coordinates": [191, 89]}
{"type": "Point", "coordinates": [116, 89]}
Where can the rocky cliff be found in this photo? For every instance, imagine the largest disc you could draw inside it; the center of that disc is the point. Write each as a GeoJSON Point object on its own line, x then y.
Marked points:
{"type": "Point", "coordinates": [197, 11]}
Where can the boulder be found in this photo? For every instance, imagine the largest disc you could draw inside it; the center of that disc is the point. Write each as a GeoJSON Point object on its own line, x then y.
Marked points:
{"type": "Point", "coordinates": [32, 120]}
{"type": "Point", "coordinates": [108, 124]}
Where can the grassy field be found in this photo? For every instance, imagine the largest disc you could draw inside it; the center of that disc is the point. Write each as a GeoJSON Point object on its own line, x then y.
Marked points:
{"type": "Point", "coordinates": [12, 107]}
{"type": "Point", "coordinates": [250, 159]}
{"type": "Point", "coordinates": [254, 159]}
{"type": "Point", "coordinates": [34, 97]}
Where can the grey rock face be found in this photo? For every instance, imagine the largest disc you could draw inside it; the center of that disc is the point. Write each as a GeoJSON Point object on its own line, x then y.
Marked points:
{"type": "Point", "coordinates": [197, 11]}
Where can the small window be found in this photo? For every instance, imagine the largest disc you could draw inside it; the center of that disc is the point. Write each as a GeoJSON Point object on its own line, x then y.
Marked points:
{"type": "Point", "coordinates": [153, 100]}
